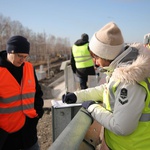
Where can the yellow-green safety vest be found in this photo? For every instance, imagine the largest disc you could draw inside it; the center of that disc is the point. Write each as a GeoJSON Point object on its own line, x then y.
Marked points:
{"type": "Point", "coordinates": [82, 56]}
{"type": "Point", "coordinates": [148, 46]}
{"type": "Point", "coordinates": [140, 138]}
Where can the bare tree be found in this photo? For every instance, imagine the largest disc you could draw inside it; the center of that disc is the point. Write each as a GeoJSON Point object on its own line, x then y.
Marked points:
{"type": "Point", "coordinates": [42, 46]}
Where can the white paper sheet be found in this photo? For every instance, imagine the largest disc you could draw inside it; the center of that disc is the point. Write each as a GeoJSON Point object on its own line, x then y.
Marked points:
{"type": "Point", "coordinates": [60, 104]}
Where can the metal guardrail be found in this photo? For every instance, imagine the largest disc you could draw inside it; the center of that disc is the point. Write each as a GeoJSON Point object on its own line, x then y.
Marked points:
{"type": "Point", "coordinates": [72, 81]}
{"type": "Point", "coordinates": [69, 77]}
{"type": "Point", "coordinates": [64, 66]}
{"type": "Point", "coordinates": [72, 136]}
{"type": "Point", "coordinates": [72, 124]}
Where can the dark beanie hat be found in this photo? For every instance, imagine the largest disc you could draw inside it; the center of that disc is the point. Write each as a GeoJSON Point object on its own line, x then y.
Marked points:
{"type": "Point", "coordinates": [84, 37]}
{"type": "Point", "coordinates": [18, 44]}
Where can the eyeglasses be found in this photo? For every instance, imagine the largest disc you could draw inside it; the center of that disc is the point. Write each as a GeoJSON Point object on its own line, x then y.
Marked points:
{"type": "Point", "coordinates": [22, 57]}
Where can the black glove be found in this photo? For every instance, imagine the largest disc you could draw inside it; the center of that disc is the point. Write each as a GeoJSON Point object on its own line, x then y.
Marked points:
{"type": "Point", "coordinates": [86, 104]}
{"type": "Point", "coordinates": [69, 98]}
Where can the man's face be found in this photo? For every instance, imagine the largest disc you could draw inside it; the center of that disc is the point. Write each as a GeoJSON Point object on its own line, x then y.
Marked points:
{"type": "Point", "coordinates": [17, 59]}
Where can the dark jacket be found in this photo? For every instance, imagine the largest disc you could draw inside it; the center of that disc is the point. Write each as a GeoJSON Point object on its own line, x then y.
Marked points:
{"type": "Point", "coordinates": [82, 71]}
{"type": "Point", "coordinates": [27, 135]}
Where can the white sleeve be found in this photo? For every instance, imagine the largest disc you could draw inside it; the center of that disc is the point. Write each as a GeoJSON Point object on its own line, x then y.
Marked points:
{"type": "Point", "coordinates": [125, 117]}
{"type": "Point", "coordinates": [95, 93]}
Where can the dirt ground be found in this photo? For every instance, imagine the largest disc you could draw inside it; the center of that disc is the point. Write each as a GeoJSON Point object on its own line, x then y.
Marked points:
{"type": "Point", "coordinates": [44, 129]}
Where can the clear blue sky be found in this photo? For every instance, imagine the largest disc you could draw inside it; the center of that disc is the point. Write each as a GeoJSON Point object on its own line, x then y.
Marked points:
{"type": "Point", "coordinates": [70, 18]}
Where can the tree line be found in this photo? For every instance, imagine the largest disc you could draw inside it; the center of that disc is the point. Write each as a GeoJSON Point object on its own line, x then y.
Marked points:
{"type": "Point", "coordinates": [42, 45]}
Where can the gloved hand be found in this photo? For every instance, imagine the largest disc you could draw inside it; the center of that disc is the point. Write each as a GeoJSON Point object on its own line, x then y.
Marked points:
{"type": "Point", "coordinates": [86, 104]}
{"type": "Point", "coordinates": [69, 98]}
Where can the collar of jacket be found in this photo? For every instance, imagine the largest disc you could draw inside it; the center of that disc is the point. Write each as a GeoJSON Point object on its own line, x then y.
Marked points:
{"type": "Point", "coordinates": [109, 69]}
{"type": "Point", "coordinates": [132, 65]}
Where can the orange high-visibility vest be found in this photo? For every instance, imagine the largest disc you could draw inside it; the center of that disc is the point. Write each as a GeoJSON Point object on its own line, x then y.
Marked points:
{"type": "Point", "coordinates": [16, 101]}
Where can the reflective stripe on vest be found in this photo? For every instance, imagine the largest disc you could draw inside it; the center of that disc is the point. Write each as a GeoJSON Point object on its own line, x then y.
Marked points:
{"type": "Point", "coordinates": [82, 56]}
{"type": "Point", "coordinates": [107, 101]}
{"type": "Point", "coordinates": [139, 139]}
{"type": "Point", "coordinates": [16, 108]}
{"type": "Point", "coordinates": [16, 101]}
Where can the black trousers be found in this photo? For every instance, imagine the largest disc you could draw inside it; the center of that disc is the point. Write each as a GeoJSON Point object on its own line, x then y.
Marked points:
{"type": "Point", "coordinates": [83, 82]}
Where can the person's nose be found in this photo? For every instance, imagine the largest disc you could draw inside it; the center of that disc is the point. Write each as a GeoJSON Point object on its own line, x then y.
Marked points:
{"type": "Point", "coordinates": [97, 62]}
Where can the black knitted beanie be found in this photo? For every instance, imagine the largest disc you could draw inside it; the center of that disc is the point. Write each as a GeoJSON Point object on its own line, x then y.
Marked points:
{"type": "Point", "coordinates": [18, 44]}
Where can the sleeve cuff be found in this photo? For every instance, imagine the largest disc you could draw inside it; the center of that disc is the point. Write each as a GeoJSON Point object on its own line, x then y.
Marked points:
{"type": "Point", "coordinates": [92, 107]}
